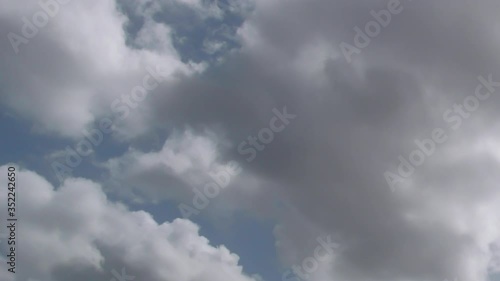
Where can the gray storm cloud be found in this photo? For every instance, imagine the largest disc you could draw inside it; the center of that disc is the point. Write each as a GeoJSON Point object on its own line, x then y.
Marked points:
{"type": "Point", "coordinates": [354, 120]}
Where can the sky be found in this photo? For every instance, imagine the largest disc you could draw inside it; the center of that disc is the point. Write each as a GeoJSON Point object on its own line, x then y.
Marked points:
{"type": "Point", "coordinates": [250, 140]}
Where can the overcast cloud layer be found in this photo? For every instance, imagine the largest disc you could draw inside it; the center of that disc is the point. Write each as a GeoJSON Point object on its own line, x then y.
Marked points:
{"type": "Point", "coordinates": [221, 70]}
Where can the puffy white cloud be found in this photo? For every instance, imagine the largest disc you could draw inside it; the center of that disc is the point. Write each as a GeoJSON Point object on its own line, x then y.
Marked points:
{"type": "Point", "coordinates": [67, 74]}
{"type": "Point", "coordinates": [75, 232]}
{"type": "Point", "coordinates": [184, 162]}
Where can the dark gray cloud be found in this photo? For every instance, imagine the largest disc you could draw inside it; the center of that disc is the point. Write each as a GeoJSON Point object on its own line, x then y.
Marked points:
{"type": "Point", "coordinates": [354, 123]}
